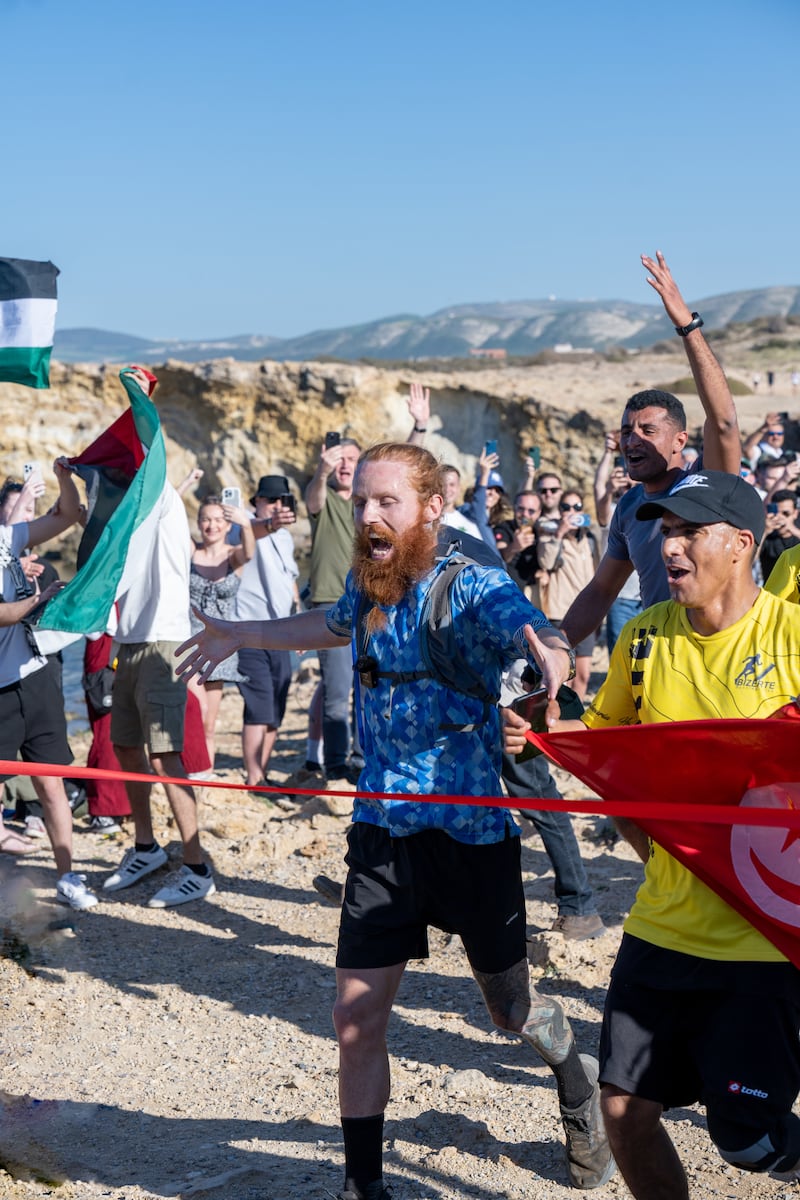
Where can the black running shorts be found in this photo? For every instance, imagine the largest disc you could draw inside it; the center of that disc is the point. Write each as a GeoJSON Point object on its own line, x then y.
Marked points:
{"type": "Point", "coordinates": [678, 1029]}
{"type": "Point", "coordinates": [397, 887]}
{"type": "Point", "coordinates": [32, 719]}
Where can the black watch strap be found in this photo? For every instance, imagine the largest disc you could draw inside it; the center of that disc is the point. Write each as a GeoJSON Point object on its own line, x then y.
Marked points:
{"type": "Point", "coordinates": [695, 323]}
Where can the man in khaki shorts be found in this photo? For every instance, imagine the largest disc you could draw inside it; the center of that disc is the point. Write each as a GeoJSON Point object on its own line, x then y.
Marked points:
{"type": "Point", "coordinates": [149, 702]}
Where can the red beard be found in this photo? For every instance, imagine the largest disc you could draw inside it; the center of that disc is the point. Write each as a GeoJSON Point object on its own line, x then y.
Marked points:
{"type": "Point", "coordinates": [387, 582]}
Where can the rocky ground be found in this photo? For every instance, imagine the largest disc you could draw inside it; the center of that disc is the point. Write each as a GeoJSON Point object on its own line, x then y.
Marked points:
{"type": "Point", "coordinates": [189, 1052]}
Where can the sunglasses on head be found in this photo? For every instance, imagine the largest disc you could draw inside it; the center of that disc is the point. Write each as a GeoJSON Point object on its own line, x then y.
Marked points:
{"type": "Point", "coordinates": [567, 507]}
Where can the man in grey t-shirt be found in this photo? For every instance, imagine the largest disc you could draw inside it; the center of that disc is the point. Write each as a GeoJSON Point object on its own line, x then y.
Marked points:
{"type": "Point", "coordinates": [652, 437]}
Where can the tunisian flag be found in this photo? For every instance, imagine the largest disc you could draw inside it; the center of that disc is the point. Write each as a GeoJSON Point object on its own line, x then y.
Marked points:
{"type": "Point", "coordinates": [738, 764]}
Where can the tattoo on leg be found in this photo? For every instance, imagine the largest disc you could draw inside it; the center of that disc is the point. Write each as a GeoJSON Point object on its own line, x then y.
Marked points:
{"type": "Point", "coordinates": [507, 995]}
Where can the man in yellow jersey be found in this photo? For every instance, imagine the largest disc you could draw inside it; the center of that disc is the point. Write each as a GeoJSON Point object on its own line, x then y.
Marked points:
{"type": "Point", "coordinates": [701, 1006]}
{"type": "Point", "coordinates": [784, 578]}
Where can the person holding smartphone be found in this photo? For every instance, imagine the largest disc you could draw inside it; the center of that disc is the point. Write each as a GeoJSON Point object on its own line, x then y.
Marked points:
{"type": "Point", "coordinates": [268, 590]}
{"type": "Point", "coordinates": [611, 483]}
{"type": "Point", "coordinates": [783, 529]}
{"type": "Point", "coordinates": [568, 558]}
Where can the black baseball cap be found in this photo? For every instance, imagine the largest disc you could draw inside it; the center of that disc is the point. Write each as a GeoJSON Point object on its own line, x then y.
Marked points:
{"type": "Point", "coordinates": [709, 497]}
{"type": "Point", "coordinates": [271, 487]}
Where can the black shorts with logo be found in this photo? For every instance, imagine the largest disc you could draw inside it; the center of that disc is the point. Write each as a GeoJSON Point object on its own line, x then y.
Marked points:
{"type": "Point", "coordinates": [397, 887]}
{"type": "Point", "coordinates": [678, 1029]}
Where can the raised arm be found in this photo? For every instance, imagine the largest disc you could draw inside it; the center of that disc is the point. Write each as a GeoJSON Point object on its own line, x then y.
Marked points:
{"type": "Point", "coordinates": [722, 447]}
{"type": "Point", "coordinates": [419, 409]}
{"type": "Point", "coordinates": [317, 490]}
{"type": "Point", "coordinates": [603, 492]}
{"type": "Point", "coordinates": [194, 476]}
{"type": "Point", "coordinates": [241, 554]}
{"type": "Point", "coordinates": [65, 512]}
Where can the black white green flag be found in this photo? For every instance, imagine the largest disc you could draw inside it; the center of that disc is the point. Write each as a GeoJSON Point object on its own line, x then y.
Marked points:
{"type": "Point", "coordinates": [27, 320]}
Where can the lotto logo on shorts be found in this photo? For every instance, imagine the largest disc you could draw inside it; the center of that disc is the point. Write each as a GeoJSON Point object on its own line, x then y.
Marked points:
{"type": "Point", "coordinates": [738, 1089]}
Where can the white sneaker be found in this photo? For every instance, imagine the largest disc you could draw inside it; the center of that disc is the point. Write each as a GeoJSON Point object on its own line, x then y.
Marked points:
{"type": "Point", "coordinates": [184, 886]}
{"type": "Point", "coordinates": [134, 866]}
{"type": "Point", "coordinates": [35, 827]}
{"type": "Point", "coordinates": [71, 889]}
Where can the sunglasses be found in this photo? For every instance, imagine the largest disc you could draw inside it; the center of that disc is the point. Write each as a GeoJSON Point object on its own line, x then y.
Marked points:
{"type": "Point", "coordinates": [569, 507]}
{"type": "Point", "coordinates": [547, 489]}
{"type": "Point", "coordinates": [774, 433]}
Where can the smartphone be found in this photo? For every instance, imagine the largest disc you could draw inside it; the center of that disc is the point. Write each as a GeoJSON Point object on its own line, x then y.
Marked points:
{"type": "Point", "coordinates": [535, 455]}
{"type": "Point", "coordinates": [772, 509]}
{"type": "Point", "coordinates": [332, 439]}
{"type": "Point", "coordinates": [531, 707]}
{"type": "Point", "coordinates": [580, 520]}
{"type": "Point", "coordinates": [31, 468]}
{"type": "Point", "coordinates": [490, 448]}
{"type": "Point", "coordinates": [232, 496]}
{"type": "Point", "coordinates": [619, 462]}
{"type": "Point", "coordinates": [287, 501]}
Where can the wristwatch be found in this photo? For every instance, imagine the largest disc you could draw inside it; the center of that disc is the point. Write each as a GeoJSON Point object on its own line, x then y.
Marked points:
{"type": "Point", "coordinates": [695, 323]}
{"type": "Point", "coordinates": [571, 654]}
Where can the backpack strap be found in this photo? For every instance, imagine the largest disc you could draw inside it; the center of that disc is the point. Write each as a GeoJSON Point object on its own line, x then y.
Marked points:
{"type": "Point", "coordinates": [439, 650]}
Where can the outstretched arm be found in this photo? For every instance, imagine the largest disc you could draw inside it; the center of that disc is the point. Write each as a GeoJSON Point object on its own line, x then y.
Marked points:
{"type": "Point", "coordinates": [722, 447]}
{"type": "Point", "coordinates": [203, 651]}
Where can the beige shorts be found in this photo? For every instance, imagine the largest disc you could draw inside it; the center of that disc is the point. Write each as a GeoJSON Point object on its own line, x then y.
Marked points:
{"type": "Point", "coordinates": [148, 699]}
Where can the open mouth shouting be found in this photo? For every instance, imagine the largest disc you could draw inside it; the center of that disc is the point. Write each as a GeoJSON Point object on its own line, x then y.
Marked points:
{"type": "Point", "coordinates": [380, 546]}
{"type": "Point", "coordinates": [676, 574]}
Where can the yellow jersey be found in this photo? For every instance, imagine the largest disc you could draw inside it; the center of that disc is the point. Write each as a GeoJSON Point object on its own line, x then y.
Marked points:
{"type": "Point", "coordinates": [661, 670]}
{"type": "Point", "coordinates": [784, 578]}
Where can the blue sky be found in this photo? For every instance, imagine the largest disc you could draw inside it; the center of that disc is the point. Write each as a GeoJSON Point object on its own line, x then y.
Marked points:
{"type": "Point", "coordinates": [200, 170]}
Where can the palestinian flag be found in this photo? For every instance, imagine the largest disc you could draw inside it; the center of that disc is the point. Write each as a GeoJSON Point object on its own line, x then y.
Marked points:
{"type": "Point", "coordinates": [722, 767]}
{"type": "Point", "coordinates": [27, 320]}
{"type": "Point", "coordinates": [125, 472]}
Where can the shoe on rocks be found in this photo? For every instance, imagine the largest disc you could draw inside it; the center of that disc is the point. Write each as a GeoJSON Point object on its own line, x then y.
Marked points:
{"type": "Point", "coordinates": [577, 928]}
{"type": "Point", "coordinates": [331, 891]}
{"type": "Point", "coordinates": [35, 827]}
{"type": "Point", "coordinates": [589, 1159]}
{"type": "Point", "coordinates": [184, 886]}
{"type": "Point", "coordinates": [71, 889]}
{"type": "Point", "coordinates": [134, 866]}
{"type": "Point", "coordinates": [104, 825]}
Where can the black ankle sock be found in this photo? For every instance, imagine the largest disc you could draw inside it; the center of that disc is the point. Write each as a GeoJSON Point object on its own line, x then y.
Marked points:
{"type": "Point", "coordinates": [198, 868]}
{"type": "Point", "coordinates": [363, 1151]}
{"type": "Point", "coordinates": [148, 847]}
{"type": "Point", "coordinates": [573, 1086]}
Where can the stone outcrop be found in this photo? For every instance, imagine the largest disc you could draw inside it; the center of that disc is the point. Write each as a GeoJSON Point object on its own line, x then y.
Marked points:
{"type": "Point", "coordinates": [239, 420]}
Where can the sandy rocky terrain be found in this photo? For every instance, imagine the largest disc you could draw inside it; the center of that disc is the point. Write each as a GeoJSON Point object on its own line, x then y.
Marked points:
{"type": "Point", "coordinates": [189, 1052]}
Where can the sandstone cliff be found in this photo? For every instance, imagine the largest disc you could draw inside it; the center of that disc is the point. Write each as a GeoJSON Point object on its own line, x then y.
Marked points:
{"type": "Point", "coordinates": [238, 420]}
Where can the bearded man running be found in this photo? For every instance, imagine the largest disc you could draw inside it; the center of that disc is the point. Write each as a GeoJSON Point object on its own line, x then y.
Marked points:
{"type": "Point", "coordinates": [414, 863]}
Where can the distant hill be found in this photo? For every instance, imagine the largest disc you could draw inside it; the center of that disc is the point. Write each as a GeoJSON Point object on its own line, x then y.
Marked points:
{"type": "Point", "coordinates": [521, 327]}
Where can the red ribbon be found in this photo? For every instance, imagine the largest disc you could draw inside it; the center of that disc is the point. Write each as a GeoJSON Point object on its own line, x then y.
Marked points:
{"type": "Point", "coordinates": [711, 814]}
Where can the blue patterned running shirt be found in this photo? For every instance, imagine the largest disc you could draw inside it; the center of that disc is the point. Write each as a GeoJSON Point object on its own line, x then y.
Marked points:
{"type": "Point", "coordinates": [405, 748]}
